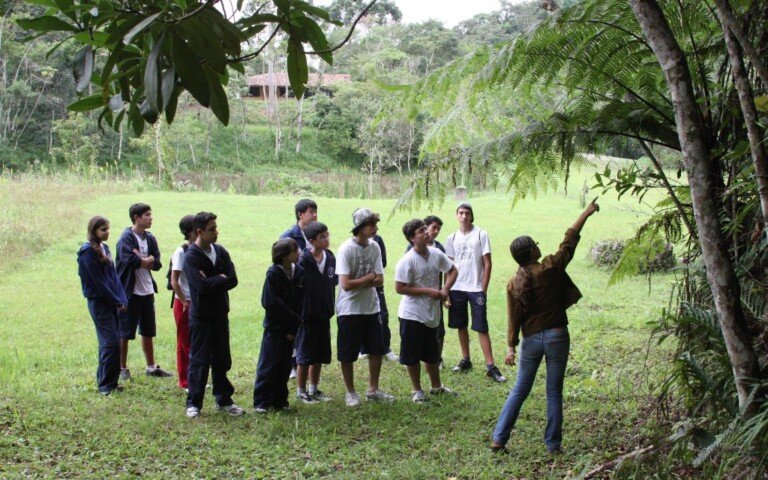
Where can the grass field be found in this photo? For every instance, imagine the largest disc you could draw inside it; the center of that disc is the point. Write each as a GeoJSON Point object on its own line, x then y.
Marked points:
{"type": "Point", "coordinates": [54, 424]}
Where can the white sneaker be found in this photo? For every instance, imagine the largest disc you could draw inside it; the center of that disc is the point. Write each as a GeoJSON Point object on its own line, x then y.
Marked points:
{"type": "Point", "coordinates": [392, 357]}
{"type": "Point", "coordinates": [352, 399]}
{"type": "Point", "coordinates": [293, 374]}
{"type": "Point", "coordinates": [231, 410]}
{"type": "Point", "coordinates": [419, 397]}
{"type": "Point", "coordinates": [379, 396]}
{"type": "Point", "coordinates": [193, 412]}
{"type": "Point", "coordinates": [362, 356]}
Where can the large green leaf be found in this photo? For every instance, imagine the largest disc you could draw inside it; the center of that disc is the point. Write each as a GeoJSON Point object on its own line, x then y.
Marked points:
{"type": "Point", "coordinates": [315, 11]}
{"type": "Point", "coordinates": [168, 85]}
{"type": "Point", "coordinates": [86, 104]}
{"type": "Point", "coordinates": [97, 39]}
{"type": "Point", "coordinates": [298, 73]}
{"type": "Point", "coordinates": [257, 18]}
{"type": "Point", "coordinates": [219, 101]}
{"type": "Point", "coordinates": [204, 42]}
{"type": "Point", "coordinates": [316, 37]}
{"type": "Point", "coordinates": [124, 24]}
{"type": "Point", "coordinates": [139, 27]}
{"type": "Point", "coordinates": [46, 23]}
{"type": "Point", "coordinates": [82, 68]}
{"type": "Point", "coordinates": [170, 109]}
{"type": "Point", "coordinates": [152, 76]}
{"type": "Point", "coordinates": [190, 71]}
{"type": "Point", "coordinates": [148, 112]}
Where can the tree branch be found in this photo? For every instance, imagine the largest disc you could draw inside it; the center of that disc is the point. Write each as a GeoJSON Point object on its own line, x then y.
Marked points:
{"type": "Point", "coordinates": [349, 35]}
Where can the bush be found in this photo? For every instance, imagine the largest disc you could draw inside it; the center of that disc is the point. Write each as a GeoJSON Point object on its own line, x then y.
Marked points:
{"type": "Point", "coordinates": [607, 253]}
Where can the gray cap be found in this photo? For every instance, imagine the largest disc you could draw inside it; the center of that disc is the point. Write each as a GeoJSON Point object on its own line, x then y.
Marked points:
{"type": "Point", "coordinates": [361, 217]}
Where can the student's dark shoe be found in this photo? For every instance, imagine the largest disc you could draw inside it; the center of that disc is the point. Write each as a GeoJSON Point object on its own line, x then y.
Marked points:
{"type": "Point", "coordinates": [464, 365]}
{"type": "Point", "coordinates": [231, 410]}
{"type": "Point", "coordinates": [156, 371]}
{"type": "Point", "coordinates": [498, 448]}
{"type": "Point", "coordinates": [321, 397]}
{"type": "Point", "coordinates": [117, 389]}
{"type": "Point", "coordinates": [495, 374]}
{"type": "Point", "coordinates": [554, 451]}
{"type": "Point", "coordinates": [125, 374]}
{"type": "Point", "coordinates": [304, 397]}
{"type": "Point", "coordinates": [286, 409]}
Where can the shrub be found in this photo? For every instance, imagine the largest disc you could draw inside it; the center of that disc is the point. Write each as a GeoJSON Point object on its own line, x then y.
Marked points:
{"type": "Point", "coordinates": [606, 253]}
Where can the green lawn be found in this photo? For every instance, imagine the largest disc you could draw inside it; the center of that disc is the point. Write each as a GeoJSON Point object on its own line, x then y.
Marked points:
{"type": "Point", "coordinates": [54, 424]}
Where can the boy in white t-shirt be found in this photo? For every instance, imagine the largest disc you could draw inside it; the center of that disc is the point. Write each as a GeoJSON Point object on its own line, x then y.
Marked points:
{"type": "Point", "coordinates": [180, 287]}
{"type": "Point", "coordinates": [470, 248]}
{"type": "Point", "coordinates": [360, 271]}
{"type": "Point", "coordinates": [417, 278]}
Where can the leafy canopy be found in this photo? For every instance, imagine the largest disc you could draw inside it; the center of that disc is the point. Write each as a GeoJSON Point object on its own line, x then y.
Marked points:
{"type": "Point", "coordinates": [154, 50]}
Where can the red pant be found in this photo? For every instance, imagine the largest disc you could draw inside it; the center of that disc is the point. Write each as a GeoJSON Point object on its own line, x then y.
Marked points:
{"type": "Point", "coordinates": [182, 341]}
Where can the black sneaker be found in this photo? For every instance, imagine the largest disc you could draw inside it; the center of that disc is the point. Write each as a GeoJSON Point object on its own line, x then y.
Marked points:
{"type": "Point", "coordinates": [464, 365]}
{"type": "Point", "coordinates": [495, 374]}
{"type": "Point", "coordinates": [304, 397]}
{"type": "Point", "coordinates": [156, 371]}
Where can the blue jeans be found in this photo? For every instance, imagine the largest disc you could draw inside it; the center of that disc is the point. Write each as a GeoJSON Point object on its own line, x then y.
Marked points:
{"type": "Point", "coordinates": [105, 320]}
{"type": "Point", "coordinates": [553, 345]}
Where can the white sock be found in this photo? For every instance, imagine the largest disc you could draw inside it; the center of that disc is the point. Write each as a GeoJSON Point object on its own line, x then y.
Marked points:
{"type": "Point", "coordinates": [300, 390]}
{"type": "Point", "coordinates": [312, 389]}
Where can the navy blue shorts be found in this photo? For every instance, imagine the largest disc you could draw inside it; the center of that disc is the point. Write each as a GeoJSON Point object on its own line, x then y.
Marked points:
{"type": "Point", "coordinates": [457, 314]}
{"type": "Point", "coordinates": [418, 343]}
{"type": "Point", "coordinates": [313, 343]}
{"type": "Point", "coordinates": [141, 314]}
{"type": "Point", "coordinates": [357, 331]}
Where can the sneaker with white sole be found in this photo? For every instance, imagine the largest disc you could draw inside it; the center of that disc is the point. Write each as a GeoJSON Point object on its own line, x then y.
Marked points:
{"type": "Point", "coordinates": [293, 374]}
{"type": "Point", "coordinates": [321, 397]}
{"type": "Point", "coordinates": [260, 410]}
{"type": "Point", "coordinates": [156, 371]}
{"type": "Point", "coordinates": [352, 399]}
{"type": "Point", "coordinates": [304, 397]}
{"type": "Point", "coordinates": [392, 356]}
{"type": "Point", "coordinates": [362, 356]}
{"type": "Point", "coordinates": [495, 374]}
{"type": "Point", "coordinates": [419, 397]}
{"type": "Point", "coordinates": [231, 410]}
{"type": "Point", "coordinates": [379, 396]}
{"type": "Point", "coordinates": [442, 390]}
{"type": "Point", "coordinates": [464, 365]}
{"type": "Point", "coordinates": [125, 374]}
{"type": "Point", "coordinates": [193, 412]}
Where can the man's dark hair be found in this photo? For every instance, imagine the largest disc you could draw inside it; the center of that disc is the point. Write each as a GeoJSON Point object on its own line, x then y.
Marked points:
{"type": "Point", "coordinates": [137, 210]}
{"type": "Point", "coordinates": [314, 229]}
{"type": "Point", "coordinates": [411, 227]}
{"type": "Point", "coordinates": [187, 226]}
{"type": "Point", "coordinates": [433, 219]}
{"type": "Point", "coordinates": [202, 219]}
{"type": "Point", "coordinates": [303, 205]}
{"type": "Point", "coordinates": [282, 248]}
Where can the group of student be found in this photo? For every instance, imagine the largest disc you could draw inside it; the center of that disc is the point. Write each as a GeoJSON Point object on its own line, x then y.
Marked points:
{"type": "Point", "coordinates": [299, 299]}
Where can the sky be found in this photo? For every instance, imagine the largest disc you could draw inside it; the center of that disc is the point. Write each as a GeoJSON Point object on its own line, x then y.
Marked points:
{"type": "Point", "coordinates": [450, 12]}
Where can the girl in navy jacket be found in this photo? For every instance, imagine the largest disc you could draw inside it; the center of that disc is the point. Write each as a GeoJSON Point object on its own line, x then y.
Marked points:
{"type": "Point", "coordinates": [106, 297]}
{"type": "Point", "coordinates": [282, 299]}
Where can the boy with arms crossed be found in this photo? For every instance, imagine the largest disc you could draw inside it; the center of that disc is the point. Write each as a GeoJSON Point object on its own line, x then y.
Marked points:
{"type": "Point", "coordinates": [360, 271]}
{"type": "Point", "coordinates": [417, 278]}
{"type": "Point", "coordinates": [470, 248]}
{"type": "Point", "coordinates": [136, 254]}
{"type": "Point", "coordinates": [313, 342]}
{"type": "Point", "coordinates": [211, 275]}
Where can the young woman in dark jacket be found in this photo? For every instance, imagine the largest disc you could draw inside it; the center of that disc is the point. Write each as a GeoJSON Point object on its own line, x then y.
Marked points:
{"type": "Point", "coordinates": [537, 299]}
{"type": "Point", "coordinates": [106, 297]}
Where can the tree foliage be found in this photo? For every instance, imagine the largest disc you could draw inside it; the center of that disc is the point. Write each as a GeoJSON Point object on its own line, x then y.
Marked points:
{"type": "Point", "coordinates": [136, 59]}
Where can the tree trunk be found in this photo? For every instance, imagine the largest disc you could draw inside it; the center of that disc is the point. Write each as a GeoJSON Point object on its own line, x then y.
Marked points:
{"type": "Point", "coordinates": [728, 19]}
{"type": "Point", "coordinates": [720, 273]}
{"type": "Point", "coordinates": [747, 101]}
{"type": "Point", "coordinates": [299, 124]}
